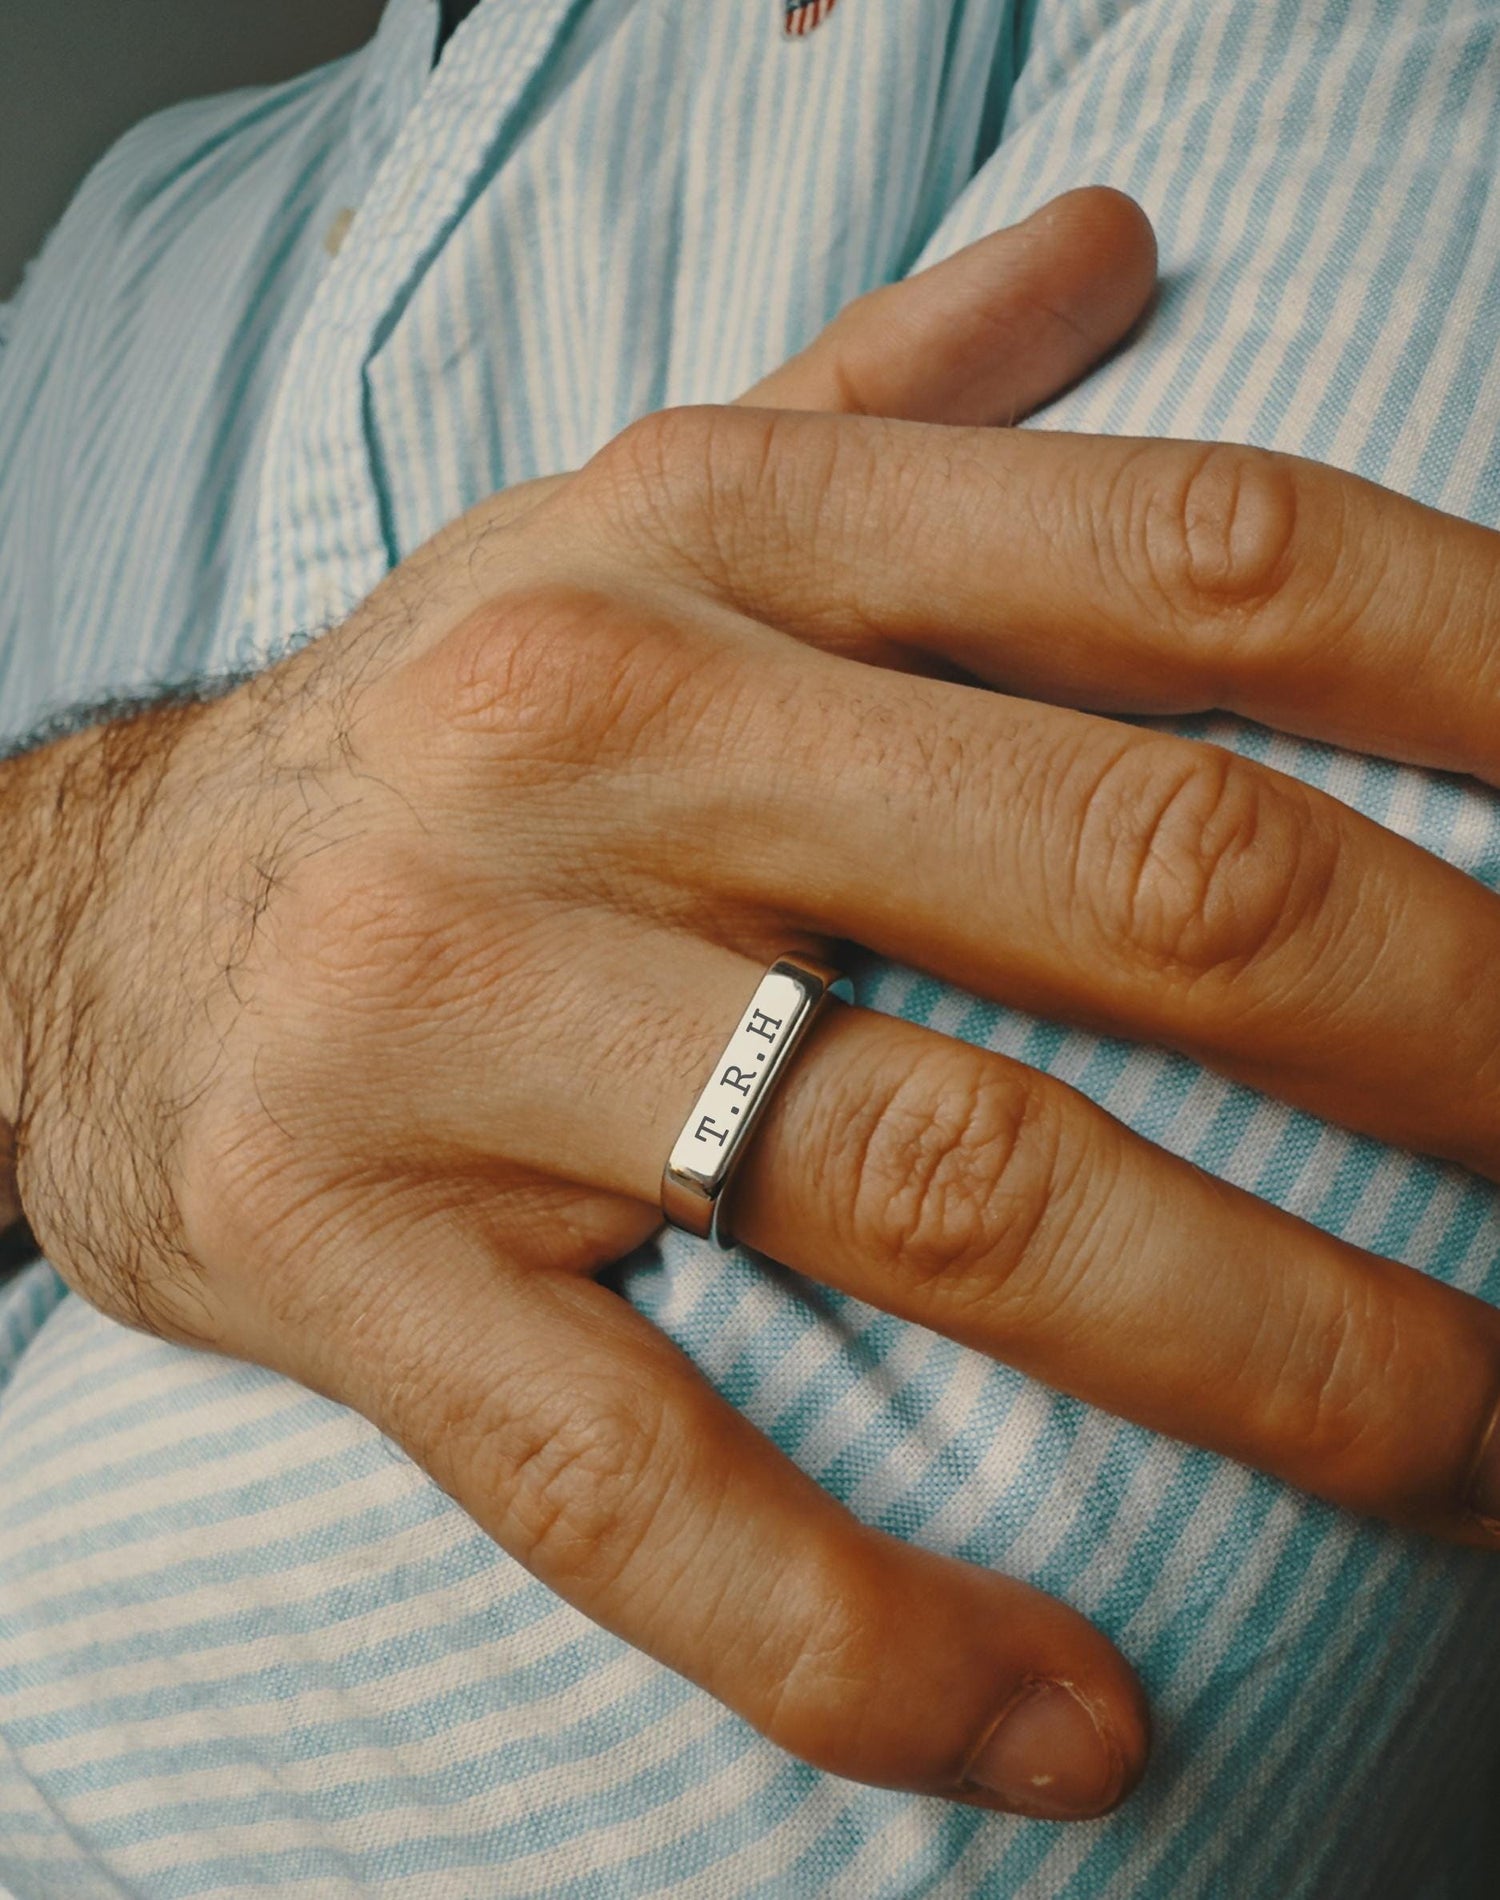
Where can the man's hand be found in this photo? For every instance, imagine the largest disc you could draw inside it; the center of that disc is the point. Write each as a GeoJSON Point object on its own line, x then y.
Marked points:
{"type": "Point", "coordinates": [354, 1013]}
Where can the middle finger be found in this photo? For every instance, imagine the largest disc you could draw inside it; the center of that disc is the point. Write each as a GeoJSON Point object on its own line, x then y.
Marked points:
{"type": "Point", "coordinates": [1127, 880]}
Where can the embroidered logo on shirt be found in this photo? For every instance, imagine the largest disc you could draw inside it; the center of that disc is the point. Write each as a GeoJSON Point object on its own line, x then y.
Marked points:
{"type": "Point", "coordinates": [801, 16]}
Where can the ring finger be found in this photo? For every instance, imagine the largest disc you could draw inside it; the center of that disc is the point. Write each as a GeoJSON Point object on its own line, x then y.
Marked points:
{"type": "Point", "coordinates": [966, 1192]}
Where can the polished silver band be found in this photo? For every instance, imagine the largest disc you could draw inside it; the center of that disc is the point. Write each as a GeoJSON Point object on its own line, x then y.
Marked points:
{"type": "Point", "coordinates": [716, 1134]}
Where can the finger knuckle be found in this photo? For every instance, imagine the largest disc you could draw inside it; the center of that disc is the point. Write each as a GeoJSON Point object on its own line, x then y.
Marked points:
{"type": "Point", "coordinates": [664, 479]}
{"type": "Point", "coordinates": [1339, 1396]}
{"type": "Point", "coordinates": [724, 492]}
{"type": "Point", "coordinates": [1198, 862]}
{"type": "Point", "coordinates": [830, 1644]}
{"type": "Point", "coordinates": [1318, 1393]}
{"type": "Point", "coordinates": [951, 1177]}
{"type": "Point", "coordinates": [662, 447]}
{"type": "Point", "coordinates": [577, 1489]}
{"type": "Point", "coordinates": [1220, 535]}
{"type": "Point", "coordinates": [556, 676]}
{"type": "Point", "coordinates": [1319, 1401]}
{"type": "Point", "coordinates": [821, 1674]}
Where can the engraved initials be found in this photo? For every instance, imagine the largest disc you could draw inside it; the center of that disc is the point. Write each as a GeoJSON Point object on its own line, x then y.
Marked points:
{"type": "Point", "coordinates": [760, 1024]}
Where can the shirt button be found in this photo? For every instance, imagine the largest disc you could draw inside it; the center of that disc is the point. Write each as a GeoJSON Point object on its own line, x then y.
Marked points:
{"type": "Point", "coordinates": [338, 230]}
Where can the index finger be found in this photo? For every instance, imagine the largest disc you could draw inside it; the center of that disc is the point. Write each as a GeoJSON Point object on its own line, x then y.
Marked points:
{"type": "Point", "coordinates": [985, 335]}
{"type": "Point", "coordinates": [1103, 572]}
{"type": "Point", "coordinates": [980, 337]}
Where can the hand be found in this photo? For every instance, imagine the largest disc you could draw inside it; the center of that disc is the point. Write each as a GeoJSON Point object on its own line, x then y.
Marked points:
{"type": "Point", "coordinates": [357, 1010]}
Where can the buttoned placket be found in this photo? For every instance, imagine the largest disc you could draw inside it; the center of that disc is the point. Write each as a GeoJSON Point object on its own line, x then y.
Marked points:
{"type": "Point", "coordinates": [321, 538]}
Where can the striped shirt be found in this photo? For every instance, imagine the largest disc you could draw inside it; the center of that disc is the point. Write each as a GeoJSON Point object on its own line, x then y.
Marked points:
{"type": "Point", "coordinates": [279, 338]}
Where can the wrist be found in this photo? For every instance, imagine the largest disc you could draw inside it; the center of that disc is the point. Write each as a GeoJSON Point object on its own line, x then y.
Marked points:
{"type": "Point", "coordinates": [71, 812]}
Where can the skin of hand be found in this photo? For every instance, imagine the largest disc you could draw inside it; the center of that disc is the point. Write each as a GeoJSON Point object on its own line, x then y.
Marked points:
{"type": "Point", "coordinates": [349, 1016]}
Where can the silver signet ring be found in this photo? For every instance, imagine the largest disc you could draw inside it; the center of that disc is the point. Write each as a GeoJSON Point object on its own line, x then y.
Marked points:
{"type": "Point", "coordinates": [787, 1002]}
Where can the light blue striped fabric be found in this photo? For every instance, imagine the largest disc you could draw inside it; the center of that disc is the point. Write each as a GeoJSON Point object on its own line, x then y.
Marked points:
{"type": "Point", "coordinates": [244, 1645]}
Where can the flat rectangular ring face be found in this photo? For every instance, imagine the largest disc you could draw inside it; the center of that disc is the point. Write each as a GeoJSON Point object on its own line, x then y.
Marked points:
{"type": "Point", "coordinates": [725, 1112]}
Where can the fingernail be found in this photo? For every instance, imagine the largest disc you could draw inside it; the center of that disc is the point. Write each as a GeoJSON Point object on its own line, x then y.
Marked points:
{"type": "Point", "coordinates": [1047, 1756]}
{"type": "Point", "coordinates": [1484, 1486]}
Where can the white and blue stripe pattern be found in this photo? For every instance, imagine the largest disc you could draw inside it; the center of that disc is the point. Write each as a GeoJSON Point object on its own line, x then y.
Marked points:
{"type": "Point", "coordinates": [244, 1645]}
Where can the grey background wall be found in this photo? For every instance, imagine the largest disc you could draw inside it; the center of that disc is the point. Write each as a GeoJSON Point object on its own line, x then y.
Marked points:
{"type": "Point", "coordinates": [74, 74]}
